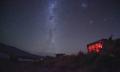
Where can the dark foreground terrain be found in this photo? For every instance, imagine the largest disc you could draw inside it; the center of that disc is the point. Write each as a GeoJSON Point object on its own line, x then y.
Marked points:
{"type": "Point", "coordinates": [71, 63]}
{"type": "Point", "coordinates": [108, 60]}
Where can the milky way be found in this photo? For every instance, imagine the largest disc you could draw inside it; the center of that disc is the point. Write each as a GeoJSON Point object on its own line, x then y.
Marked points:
{"type": "Point", "coordinates": [57, 26]}
{"type": "Point", "coordinates": [51, 24]}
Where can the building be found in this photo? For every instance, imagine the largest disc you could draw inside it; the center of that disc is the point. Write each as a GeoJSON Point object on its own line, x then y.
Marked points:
{"type": "Point", "coordinates": [105, 46]}
{"type": "Point", "coordinates": [96, 46]}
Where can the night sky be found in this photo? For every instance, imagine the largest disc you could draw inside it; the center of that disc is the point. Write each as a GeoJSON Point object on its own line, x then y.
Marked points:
{"type": "Point", "coordinates": [31, 26]}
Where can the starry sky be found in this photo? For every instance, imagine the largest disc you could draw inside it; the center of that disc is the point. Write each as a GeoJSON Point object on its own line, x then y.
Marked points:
{"type": "Point", "coordinates": [26, 24]}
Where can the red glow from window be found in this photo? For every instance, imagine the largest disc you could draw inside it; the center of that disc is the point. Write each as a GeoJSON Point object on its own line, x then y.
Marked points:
{"type": "Point", "coordinates": [96, 47]}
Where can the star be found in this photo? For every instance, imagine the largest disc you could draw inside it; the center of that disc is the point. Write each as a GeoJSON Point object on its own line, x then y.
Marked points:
{"type": "Point", "coordinates": [105, 19]}
{"type": "Point", "coordinates": [91, 21]}
{"type": "Point", "coordinates": [84, 5]}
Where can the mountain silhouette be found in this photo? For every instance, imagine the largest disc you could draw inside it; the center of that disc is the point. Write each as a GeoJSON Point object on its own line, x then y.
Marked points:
{"type": "Point", "coordinates": [10, 51]}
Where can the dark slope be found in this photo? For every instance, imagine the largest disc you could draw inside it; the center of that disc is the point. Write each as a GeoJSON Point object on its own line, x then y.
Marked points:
{"type": "Point", "coordinates": [13, 51]}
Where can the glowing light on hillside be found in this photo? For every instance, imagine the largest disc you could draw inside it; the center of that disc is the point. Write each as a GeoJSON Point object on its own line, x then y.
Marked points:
{"type": "Point", "coordinates": [96, 47]}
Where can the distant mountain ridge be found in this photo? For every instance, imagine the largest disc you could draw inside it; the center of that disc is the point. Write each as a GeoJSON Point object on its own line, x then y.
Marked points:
{"type": "Point", "coordinates": [13, 51]}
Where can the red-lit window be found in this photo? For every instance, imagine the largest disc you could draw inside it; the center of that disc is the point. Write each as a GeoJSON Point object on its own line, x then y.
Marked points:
{"type": "Point", "coordinates": [96, 47]}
